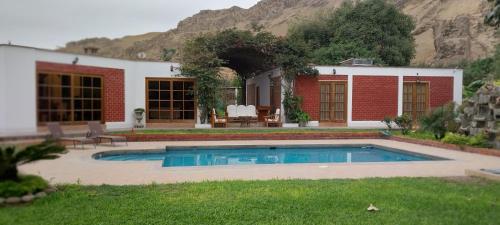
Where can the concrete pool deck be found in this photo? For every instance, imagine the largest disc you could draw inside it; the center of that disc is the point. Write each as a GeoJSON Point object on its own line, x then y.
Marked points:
{"type": "Point", "coordinates": [78, 166]}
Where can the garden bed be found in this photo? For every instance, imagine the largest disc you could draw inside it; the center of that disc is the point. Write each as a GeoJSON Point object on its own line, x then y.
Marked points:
{"type": "Point", "coordinates": [250, 136]}
{"type": "Point", "coordinates": [434, 143]}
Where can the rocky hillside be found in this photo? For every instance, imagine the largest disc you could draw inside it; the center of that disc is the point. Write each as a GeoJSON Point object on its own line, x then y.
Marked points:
{"type": "Point", "coordinates": [447, 30]}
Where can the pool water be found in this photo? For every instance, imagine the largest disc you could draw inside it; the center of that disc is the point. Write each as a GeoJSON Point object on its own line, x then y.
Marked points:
{"type": "Point", "coordinates": [248, 155]}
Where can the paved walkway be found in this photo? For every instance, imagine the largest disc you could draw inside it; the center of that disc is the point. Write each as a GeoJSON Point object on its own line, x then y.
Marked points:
{"type": "Point", "coordinates": [78, 166]}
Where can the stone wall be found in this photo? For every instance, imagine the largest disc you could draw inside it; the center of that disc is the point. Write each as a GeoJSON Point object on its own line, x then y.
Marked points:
{"type": "Point", "coordinates": [481, 113]}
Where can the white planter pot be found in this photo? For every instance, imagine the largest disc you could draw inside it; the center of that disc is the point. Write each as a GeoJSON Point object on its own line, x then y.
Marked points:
{"type": "Point", "coordinates": [202, 126]}
{"type": "Point", "coordinates": [313, 124]}
{"type": "Point", "coordinates": [291, 125]}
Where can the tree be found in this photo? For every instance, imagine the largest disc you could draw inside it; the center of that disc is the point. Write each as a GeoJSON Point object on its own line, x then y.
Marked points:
{"type": "Point", "coordinates": [372, 29]}
{"type": "Point", "coordinates": [246, 53]}
{"type": "Point", "coordinates": [493, 17]}
{"type": "Point", "coordinates": [11, 157]}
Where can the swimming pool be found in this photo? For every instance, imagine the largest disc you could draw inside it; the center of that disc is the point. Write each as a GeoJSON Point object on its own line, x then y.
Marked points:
{"type": "Point", "coordinates": [248, 155]}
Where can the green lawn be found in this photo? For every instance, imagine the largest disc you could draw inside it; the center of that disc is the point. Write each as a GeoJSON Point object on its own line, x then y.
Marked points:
{"type": "Point", "coordinates": [248, 131]}
{"type": "Point", "coordinates": [401, 201]}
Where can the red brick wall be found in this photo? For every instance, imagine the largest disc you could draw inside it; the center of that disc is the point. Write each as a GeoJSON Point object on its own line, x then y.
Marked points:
{"type": "Point", "coordinates": [114, 85]}
{"type": "Point", "coordinates": [307, 87]}
{"type": "Point", "coordinates": [440, 89]}
{"type": "Point", "coordinates": [374, 97]}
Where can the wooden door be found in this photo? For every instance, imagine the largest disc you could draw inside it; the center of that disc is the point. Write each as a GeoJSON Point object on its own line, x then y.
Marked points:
{"type": "Point", "coordinates": [415, 99]}
{"type": "Point", "coordinates": [333, 101]}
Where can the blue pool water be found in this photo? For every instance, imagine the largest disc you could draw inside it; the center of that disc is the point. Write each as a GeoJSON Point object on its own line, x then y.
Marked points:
{"type": "Point", "coordinates": [246, 155]}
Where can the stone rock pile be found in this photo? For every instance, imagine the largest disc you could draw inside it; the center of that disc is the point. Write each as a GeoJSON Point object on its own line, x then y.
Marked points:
{"type": "Point", "coordinates": [481, 113]}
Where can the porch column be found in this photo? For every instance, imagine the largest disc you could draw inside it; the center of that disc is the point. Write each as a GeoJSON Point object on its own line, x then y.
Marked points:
{"type": "Point", "coordinates": [349, 99]}
{"type": "Point", "coordinates": [400, 94]}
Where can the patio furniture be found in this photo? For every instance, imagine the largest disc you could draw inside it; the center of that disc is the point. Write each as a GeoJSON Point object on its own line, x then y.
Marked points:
{"type": "Point", "coordinates": [217, 121]}
{"type": "Point", "coordinates": [58, 134]}
{"type": "Point", "coordinates": [98, 133]}
{"type": "Point", "coordinates": [251, 112]}
{"type": "Point", "coordinates": [245, 121]}
{"type": "Point", "coordinates": [241, 112]}
{"type": "Point", "coordinates": [274, 120]}
{"type": "Point", "coordinates": [232, 113]}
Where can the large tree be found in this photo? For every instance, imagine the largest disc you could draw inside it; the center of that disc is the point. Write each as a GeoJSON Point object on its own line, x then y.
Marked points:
{"type": "Point", "coordinates": [373, 29]}
{"type": "Point", "coordinates": [248, 53]}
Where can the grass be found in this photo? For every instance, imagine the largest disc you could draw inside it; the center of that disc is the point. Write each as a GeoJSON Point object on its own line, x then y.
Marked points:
{"type": "Point", "coordinates": [248, 131]}
{"type": "Point", "coordinates": [401, 201]}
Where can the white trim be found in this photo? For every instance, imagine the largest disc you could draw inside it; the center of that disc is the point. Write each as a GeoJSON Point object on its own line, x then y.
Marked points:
{"type": "Point", "coordinates": [349, 99]}
{"type": "Point", "coordinates": [388, 71]}
{"type": "Point", "coordinates": [366, 124]}
{"type": "Point", "coordinates": [458, 86]}
{"type": "Point", "coordinates": [400, 95]}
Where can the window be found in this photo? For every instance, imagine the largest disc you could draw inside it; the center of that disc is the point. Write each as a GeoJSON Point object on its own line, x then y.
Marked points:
{"type": "Point", "coordinates": [169, 99]}
{"type": "Point", "coordinates": [333, 101]}
{"type": "Point", "coordinates": [69, 98]}
{"type": "Point", "coordinates": [415, 99]}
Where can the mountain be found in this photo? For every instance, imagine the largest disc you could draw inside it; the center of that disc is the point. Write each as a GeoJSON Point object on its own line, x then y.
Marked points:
{"type": "Point", "coordinates": [447, 31]}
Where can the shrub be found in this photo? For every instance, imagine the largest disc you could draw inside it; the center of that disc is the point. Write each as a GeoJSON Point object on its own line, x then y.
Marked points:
{"type": "Point", "coordinates": [404, 122]}
{"type": "Point", "coordinates": [457, 139]}
{"type": "Point", "coordinates": [440, 120]}
{"type": "Point", "coordinates": [11, 157]}
{"type": "Point", "coordinates": [26, 185]}
{"type": "Point", "coordinates": [479, 140]}
{"type": "Point", "coordinates": [388, 122]}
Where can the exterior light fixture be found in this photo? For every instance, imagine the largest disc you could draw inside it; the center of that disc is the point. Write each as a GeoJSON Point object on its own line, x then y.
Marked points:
{"type": "Point", "coordinates": [334, 72]}
{"type": "Point", "coordinates": [418, 78]}
{"type": "Point", "coordinates": [172, 68]}
{"type": "Point", "coordinates": [75, 61]}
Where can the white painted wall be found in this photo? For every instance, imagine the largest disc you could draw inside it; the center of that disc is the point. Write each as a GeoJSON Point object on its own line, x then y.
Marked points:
{"type": "Point", "coordinates": [3, 92]}
{"type": "Point", "coordinates": [263, 82]}
{"type": "Point", "coordinates": [18, 84]}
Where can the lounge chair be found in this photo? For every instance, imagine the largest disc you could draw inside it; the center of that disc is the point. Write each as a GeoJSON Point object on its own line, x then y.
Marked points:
{"type": "Point", "coordinates": [274, 120]}
{"type": "Point", "coordinates": [98, 133]}
{"type": "Point", "coordinates": [58, 135]}
{"type": "Point", "coordinates": [217, 121]}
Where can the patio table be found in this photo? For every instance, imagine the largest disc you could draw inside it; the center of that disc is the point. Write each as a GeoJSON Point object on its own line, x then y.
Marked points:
{"type": "Point", "coordinates": [245, 121]}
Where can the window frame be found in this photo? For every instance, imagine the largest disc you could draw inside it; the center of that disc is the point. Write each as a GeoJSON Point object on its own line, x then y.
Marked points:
{"type": "Point", "coordinates": [72, 87]}
{"type": "Point", "coordinates": [171, 110]}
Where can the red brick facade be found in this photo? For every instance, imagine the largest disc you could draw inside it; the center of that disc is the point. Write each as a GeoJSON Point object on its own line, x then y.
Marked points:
{"type": "Point", "coordinates": [374, 97]}
{"type": "Point", "coordinates": [440, 89]}
{"type": "Point", "coordinates": [113, 84]}
{"type": "Point", "coordinates": [307, 87]}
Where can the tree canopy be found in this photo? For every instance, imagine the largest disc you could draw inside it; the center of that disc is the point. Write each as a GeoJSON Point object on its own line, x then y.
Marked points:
{"type": "Point", "coordinates": [372, 29]}
{"type": "Point", "coordinates": [245, 52]}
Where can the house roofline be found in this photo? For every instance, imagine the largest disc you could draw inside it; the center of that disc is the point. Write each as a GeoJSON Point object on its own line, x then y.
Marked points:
{"type": "Point", "coordinates": [80, 54]}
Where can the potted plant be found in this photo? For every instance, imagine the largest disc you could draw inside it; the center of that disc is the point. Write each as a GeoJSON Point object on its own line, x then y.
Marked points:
{"type": "Point", "coordinates": [302, 118]}
{"type": "Point", "coordinates": [139, 115]}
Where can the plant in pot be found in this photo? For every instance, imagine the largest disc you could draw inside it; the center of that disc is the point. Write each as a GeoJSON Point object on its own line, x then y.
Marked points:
{"type": "Point", "coordinates": [139, 115]}
{"type": "Point", "coordinates": [302, 118]}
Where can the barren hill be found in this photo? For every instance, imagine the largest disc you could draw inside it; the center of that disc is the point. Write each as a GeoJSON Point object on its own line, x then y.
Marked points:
{"type": "Point", "coordinates": [447, 30]}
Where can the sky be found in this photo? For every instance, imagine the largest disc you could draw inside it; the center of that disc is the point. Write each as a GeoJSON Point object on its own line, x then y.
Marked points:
{"type": "Point", "coordinates": [52, 23]}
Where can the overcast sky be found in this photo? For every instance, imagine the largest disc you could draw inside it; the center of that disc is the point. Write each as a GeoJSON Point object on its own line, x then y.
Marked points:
{"type": "Point", "coordinates": [52, 23]}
